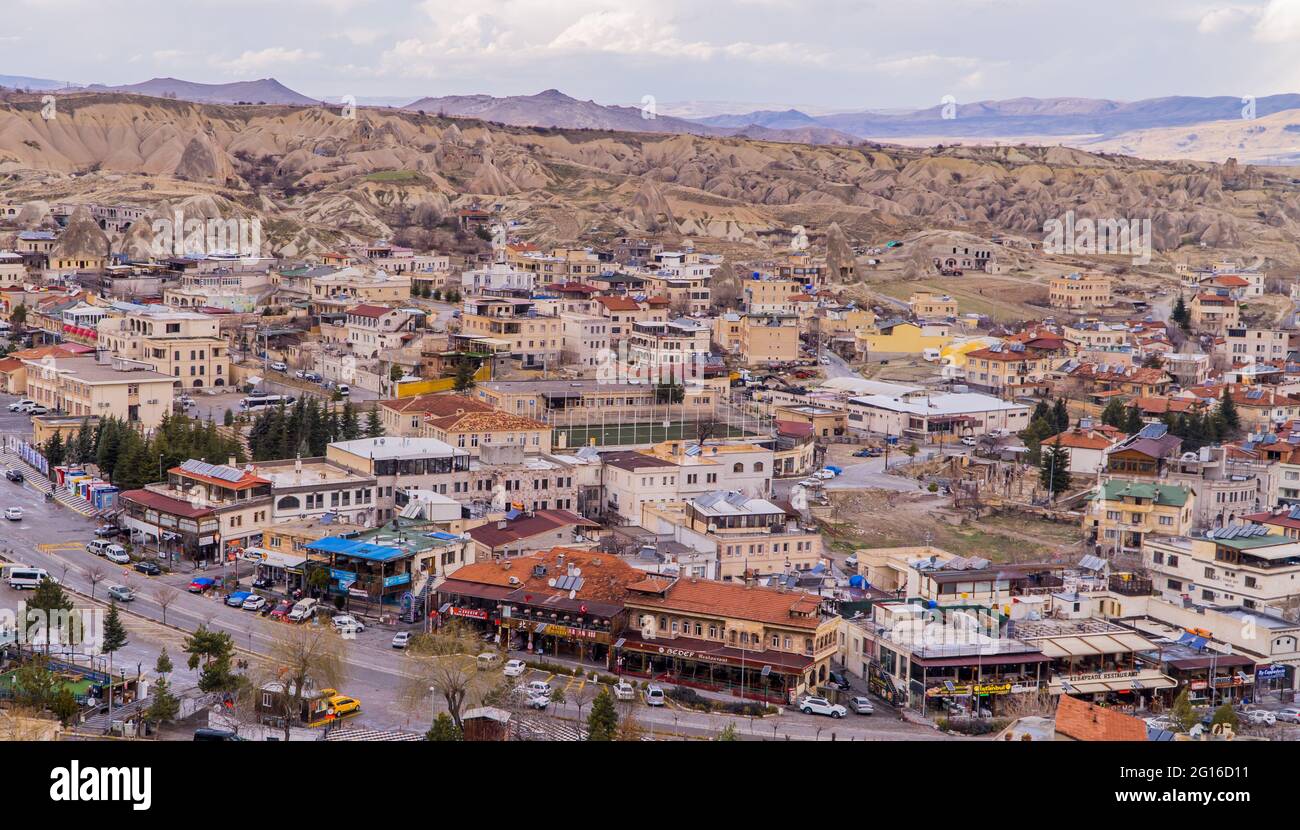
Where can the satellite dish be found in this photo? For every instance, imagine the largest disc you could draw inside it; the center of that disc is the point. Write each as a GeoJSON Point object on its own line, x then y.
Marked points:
{"type": "Point", "coordinates": [573, 594]}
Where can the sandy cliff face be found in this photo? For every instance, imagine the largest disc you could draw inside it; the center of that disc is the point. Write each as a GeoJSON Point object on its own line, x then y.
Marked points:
{"type": "Point", "coordinates": [319, 174]}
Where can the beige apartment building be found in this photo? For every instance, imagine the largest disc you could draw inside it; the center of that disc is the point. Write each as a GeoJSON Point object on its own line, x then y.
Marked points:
{"type": "Point", "coordinates": [1080, 291]}
{"type": "Point", "coordinates": [1007, 369]}
{"type": "Point", "coordinates": [1214, 313]}
{"type": "Point", "coordinates": [771, 296]}
{"type": "Point", "coordinates": [185, 345]}
{"type": "Point", "coordinates": [586, 339]}
{"type": "Point", "coordinates": [1249, 345]}
{"type": "Point", "coordinates": [535, 340]}
{"type": "Point", "coordinates": [81, 386]}
{"type": "Point", "coordinates": [1244, 565]}
{"type": "Point", "coordinates": [769, 338]}
{"type": "Point", "coordinates": [929, 304]}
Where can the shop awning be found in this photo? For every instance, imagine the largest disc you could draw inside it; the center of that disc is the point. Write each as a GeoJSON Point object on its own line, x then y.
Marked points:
{"type": "Point", "coordinates": [1120, 682]}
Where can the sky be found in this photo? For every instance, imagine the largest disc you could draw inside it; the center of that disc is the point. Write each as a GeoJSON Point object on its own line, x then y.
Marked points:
{"type": "Point", "coordinates": [818, 55]}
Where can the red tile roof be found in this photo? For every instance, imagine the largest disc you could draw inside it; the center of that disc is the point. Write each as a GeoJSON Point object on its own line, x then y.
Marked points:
{"type": "Point", "coordinates": [165, 504]}
{"type": "Point", "coordinates": [604, 576]}
{"type": "Point", "coordinates": [436, 405]}
{"type": "Point", "coordinates": [734, 600]}
{"type": "Point", "coordinates": [543, 521]}
{"type": "Point", "coordinates": [367, 310]}
{"type": "Point", "coordinates": [1085, 721]}
{"type": "Point", "coordinates": [619, 303]}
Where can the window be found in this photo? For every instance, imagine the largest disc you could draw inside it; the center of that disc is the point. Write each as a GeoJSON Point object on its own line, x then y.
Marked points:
{"type": "Point", "coordinates": [738, 468]}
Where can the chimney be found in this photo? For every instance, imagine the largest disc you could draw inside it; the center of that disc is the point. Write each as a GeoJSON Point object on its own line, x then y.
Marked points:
{"type": "Point", "coordinates": [297, 464]}
{"type": "Point", "coordinates": [233, 462]}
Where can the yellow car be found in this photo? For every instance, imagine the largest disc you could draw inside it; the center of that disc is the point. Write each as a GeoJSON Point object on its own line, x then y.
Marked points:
{"type": "Point", "coordinates": [344, 705]}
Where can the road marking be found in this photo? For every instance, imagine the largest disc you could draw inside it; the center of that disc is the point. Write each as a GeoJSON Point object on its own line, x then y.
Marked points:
{"type": "Point", "coordinates": [53, 546]}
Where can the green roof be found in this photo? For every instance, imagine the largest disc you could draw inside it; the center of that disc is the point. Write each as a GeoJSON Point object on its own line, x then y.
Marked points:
{"type": "Point", "coordinates": [1268, 540]}
{"type": "Point", "coordinates": [1169, 495]}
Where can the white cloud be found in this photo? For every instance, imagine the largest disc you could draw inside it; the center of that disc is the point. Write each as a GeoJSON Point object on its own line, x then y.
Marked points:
{"type": "Point", "coordinates": [1280, 22]}
{"type": "Point", "coordinates": [1226, 18]}
{"type": "Point", "coordinates": [269, 58]}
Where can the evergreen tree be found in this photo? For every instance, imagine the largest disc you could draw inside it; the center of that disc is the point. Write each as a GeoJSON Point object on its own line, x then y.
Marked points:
{"type": "Point", "coordinates": [1033, 436]}
{"type": "Point", "coordinates": [602, 720]}
{"type": "Point", "coordinates": [164, 664]}
{"type": "Point", "coordinates": [1180, 314]}
{"type": "Point", "coordinates": [54, 451]}
{"type": "Point", "coordinates": [213, 651]}
{"type": "Point", "coordinates": [464, 377]}
{"type": "Point", "coordinates": [1225, 714]}
{"type": "Point", "coordinates": [84, 443]}
{"type": "Point", "coordinates": [228, 419]}
{"type": "Point", "coordinates": [317, 429]}
{"type": "Point", "coordinates": [1182, 713]}
{"type": "Point", "coordinates": [1054, 469]}
{"type": "Point", "coordinates": [351, 425]}
{"type": "Point", "coordinates": [1060, 415]}
{"type": "Point", "coordinates": [114, 632]}
{"type": "Point", "coordinates": [374, 427]}
{"type": "Point", "coordinates": [1113, 415]}
{"type": "Point", "coordinates": [163, 705]}
{"type": "Point", "coordinates": [1228, 410]}
{"type": "Point", "coordinates": [444, 729]}
{"type": "Point", "coordinates": [109, 448]}
{"type": "Point", "coordinates": [50, 598]}
{"type": "Point", "coordinates": [1041, 410]}
{"type": "Point", "coordinates": [1133, 420]}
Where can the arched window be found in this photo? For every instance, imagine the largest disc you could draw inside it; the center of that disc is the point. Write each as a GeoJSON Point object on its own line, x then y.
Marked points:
{"type": "Point", "coordinates": [738, 468]}
{"type": "Point", "coordinates": [758, 466]}
{"type": "Point", "coordinates": [289, 503]}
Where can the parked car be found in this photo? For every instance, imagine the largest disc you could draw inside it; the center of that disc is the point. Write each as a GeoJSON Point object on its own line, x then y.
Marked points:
{"type": "Point", "coordinates": [654, 696]}
{"type": "Point", "coordinates": [282, 609]}
{"type": "Point", "coordinates": [824, 474]}
{"type": "Point", "coordinates": [968, 440]}
{"type": "Point", "coordinates": [346, 623]}
{"type": "Point", "coordinates": [1161, 722]}
{"type": "Point", "coordinates": [117, 555]}
{"type": "Point", "coordinates": [861, 705]}
{"type": "Point", "coordinates": [539, 701]}
{"type": "Point", "coordinates": [1259, 717]}
{"type": "Point", "coordinates": [344, 705]}
{"type": "Point", "coordinates": [279, 366]}
{"type": "Point", "coordinates": [148, 568]}
{"type": "Point", "coordinates": [839, 680]}
{"type": "Point", "coordinates": [401, 639]}
{"type": "Point", "coordinates": [121, 593]}
{"type": "Point", "coordinates": [206, 734]}
{"type": "Point", "coordinates": [1291, 714]}
{"type": "Point", "coordinates": [869, 452]}
{"type": "Point", "coordinates": [825, 361]}
{"type": "Point", "coordinates": [303, 610]}
{"type": "Point", "coordinates": [14, 514]}
{"type": "Point", "coordinates": [107, 531]}
{"type": "Point", "coordinates": [97, 546]}
{"type": "Point", "coordinates": [21, 405]}
{"type": "Point", "coordinates": [300, 374]}
{"type": "Point", "coordinates": [255, 602]}
{"type": "Point", "coordinates": [199, 584]}
{"type": "Point", "coordinates": [37, 410]}
{"type": "Point", "coordinates": [538, 687]}
{"type": "Point", "coordinates": [624, 691]}
{"type": "Point", "coordinates": [236, 599]}
{"type": "Point", "coordinates": [14, 475]}
{"type": "Point", "coordinates": [262, 582]}
{"type": "Point", "coordinates": [515, 668]}
{"type": "Point", "coordinates": [821, 706]}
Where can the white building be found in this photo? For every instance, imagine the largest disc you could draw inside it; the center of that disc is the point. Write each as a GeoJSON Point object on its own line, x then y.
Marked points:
{"type": "Point", "coordinates": [921, 415]}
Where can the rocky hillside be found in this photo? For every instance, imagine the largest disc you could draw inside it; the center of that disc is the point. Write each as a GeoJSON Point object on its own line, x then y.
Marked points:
{"type": "Point", "coordinates": [313, 175]}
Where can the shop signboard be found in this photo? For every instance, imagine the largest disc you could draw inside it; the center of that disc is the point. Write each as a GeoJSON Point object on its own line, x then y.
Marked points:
{"type": "Point", "coordinates": [396, 579]}
{"type": "Point", "coordinates": [470, 613]}
{"type": "Point", "coordinates": [1270, 672]}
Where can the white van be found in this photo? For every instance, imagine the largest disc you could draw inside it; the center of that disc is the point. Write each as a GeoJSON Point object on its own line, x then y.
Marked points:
{"type": "Point", "coordinates": [302, 610]}
{"type": "Point", "coordinates": [26, 578]}
{"type": "Point", "coordinates": [344, 389]}
{"type": "Point", "coordinates": [98, 546]}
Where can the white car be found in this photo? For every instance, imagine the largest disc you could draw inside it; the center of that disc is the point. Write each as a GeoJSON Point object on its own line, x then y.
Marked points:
{"type": "Point", "coordinates": [515, 668]}
{"type": "Point", "coordinates": [539, 701]}
{"type": "Point", "coordinates": [968, 441]}
{"type": "Point", "coordinates": [401, 639]}
{"type": "Point", "coordinates": [254, 603]}
{"type": "Point", "coordinates": [1259, 717]}
{"type": "Point", "coordinates": [14, 514]}
{"type": "Point", "coordinates": [821, 706]}
{"type": "Point", "coordinates": [825, 361]}
{"type": "Point", "coordinates": [538, 687]}
{"type": "Point", "coordinates": [1289, 715]}
{"type": "Point", "coordinates": [280, 366]}
{"type": "Point", "coordinates": [1161, 722]}
{"type": "Point", "coordinates": [22, 405]}
{"type": "Point", "coordinates": [117, 554]}
{"type": "Point", "coordinates": [825, 474]}
{"type": "Point", "coordinates": [624, 691]}
{"type": "Point", "coordinates": [654, 696]}
{"type": "Point", "coordinates": [349, 623]}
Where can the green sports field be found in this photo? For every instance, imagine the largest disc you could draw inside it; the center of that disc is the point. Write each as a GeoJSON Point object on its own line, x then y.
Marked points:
{"type": "Point", "coordinates": [613, 435]}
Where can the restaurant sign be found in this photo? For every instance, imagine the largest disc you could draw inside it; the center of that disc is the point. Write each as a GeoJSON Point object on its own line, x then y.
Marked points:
{"type": "Point", "coordinates": [965, 689]}
{"type": "Point", "coordinates": [1109, 675]}
{"type": "Point", "coordinates": [471, 613]}
{"type": "Point", "coordinates": [1270, 672]}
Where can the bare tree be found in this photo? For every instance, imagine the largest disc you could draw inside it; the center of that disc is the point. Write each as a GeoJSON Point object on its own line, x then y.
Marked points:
{"type": "Point", "coordinates": [96, 576]}
{"type": "Point", "coordinates": [444, 663]}
{"type": "Point", "coordinates": [165, 595]}
{"type": "Point", "coordinates": [706, 428]}
{"type": "Point", "coordinates": [584, 694]}
{"type": "Point", "coordinates": [304, 657]}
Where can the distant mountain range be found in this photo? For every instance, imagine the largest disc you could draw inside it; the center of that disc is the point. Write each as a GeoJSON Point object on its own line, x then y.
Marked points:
{"type": "Point", "coordinates": [264, 91]}
{"type": "Point", "coordinates": [1017, 117]}
{"type": "Point", "coordinates": [34, 84]}
{"type": "Point", "coordinates": [552, 108]}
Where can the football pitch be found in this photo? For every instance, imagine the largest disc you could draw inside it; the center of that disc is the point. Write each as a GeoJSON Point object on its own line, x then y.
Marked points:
{"type": "Point", "coordinates": [613, 435]}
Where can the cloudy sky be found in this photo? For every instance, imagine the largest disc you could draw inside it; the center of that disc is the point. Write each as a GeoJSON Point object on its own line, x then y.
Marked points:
{"type": "Point", "coordinates": [816, 54]}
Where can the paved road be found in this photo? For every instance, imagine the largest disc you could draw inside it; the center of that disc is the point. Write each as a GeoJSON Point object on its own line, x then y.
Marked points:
{"type": "Point", "coordinates": [838, 368]}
